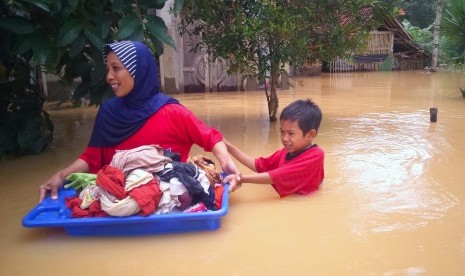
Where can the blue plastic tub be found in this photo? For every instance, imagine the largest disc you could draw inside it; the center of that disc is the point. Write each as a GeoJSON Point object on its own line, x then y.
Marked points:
{"type": "Point", "coordinates": [54, 213]}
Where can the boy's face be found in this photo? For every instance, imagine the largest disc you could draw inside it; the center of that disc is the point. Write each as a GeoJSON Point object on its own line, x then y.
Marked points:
{"type": "Point", "coordinates": [293, 138]}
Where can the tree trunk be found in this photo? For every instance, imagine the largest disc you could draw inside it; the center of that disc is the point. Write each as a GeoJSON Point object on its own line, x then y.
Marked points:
{"type": "Point", "coordinates": [437, 23]}
{"type": "Point", "coordinates": [273, 101]}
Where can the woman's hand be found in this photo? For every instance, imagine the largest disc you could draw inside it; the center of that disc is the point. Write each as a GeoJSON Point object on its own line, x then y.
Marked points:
{"type": "Point", "coordinates": [51, 186]}
{"type": "Point", "coordinates": [55, 182]}
{"type": "Point", "coordinates": [227, 164]}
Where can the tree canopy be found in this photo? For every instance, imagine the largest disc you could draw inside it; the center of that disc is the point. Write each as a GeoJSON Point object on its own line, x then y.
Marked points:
{"type": "Point", "coordinates": [419, 13]}
{"type": "Point", "coordinates": [259, 37]}
{"type": "Point", "coordinates": [66, 37]}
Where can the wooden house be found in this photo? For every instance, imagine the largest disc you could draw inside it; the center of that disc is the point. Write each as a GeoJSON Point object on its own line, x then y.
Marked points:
{"type": "Point", "coordinates": [389, 47]}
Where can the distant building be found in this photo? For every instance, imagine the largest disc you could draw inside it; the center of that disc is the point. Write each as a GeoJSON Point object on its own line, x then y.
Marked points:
{"type": "Point", "coordinates": [390, 47]}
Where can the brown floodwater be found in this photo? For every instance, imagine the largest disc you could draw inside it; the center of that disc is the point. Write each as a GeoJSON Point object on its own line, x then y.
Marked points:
{"type": "Point", "coordinates": [392, 203]}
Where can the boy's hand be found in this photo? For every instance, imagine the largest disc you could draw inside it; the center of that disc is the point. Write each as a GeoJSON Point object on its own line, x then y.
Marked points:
{"type": "Point", "coordinates": [234, 182]}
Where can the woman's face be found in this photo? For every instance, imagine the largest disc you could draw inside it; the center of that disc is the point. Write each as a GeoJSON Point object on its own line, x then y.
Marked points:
{"type": "Point", "coordinates": [118, 77]}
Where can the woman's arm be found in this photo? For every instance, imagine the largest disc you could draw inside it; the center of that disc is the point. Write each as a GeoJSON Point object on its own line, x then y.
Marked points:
{"type": "Point", "coordinates": [227, 164]}
{"type": "Point", "coordinates": [55, 182]}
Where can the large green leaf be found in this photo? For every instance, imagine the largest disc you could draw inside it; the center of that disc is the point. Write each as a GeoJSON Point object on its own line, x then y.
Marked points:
{"type": "Point", "coordinates": [17, 25]}
{"type": "Point", "coordinates": [24, 44]}
{"type": "Point", "coordinates": [178, 4]}
{"type": "Point", "coordinates": [41, 48]}
{"type": "Point", "coordinates": [151, 4]}
{"type": "Point", "coordinates": [69, 32]}
{"type": "Point", "coordinates": [117, 5]}
{"type": "Point", "coordinates": [103, 25]}
{"type": "Point", "coordinates": [53, 60]}
{"type": "Point", "coordinates": [94, 39]}
{"type": "Point", "coordinates": [73, 3]}
{"type": "Point", "coordinates": [56, 9]}
{"type": "Point", "coordinates": [138, 34]}
{"type": "Point", "coordinates": [158, 4]}
{"type": "Point", "coordinates": [157, 28]}
{"type": "Point", "coordinates": [77, 46]}
{"type": "Point", "coordinates": [158, 45]}
{"type": "Point", "coordinates": [127, 25]}
{"type": "Point", "coordinates": [43, 4]}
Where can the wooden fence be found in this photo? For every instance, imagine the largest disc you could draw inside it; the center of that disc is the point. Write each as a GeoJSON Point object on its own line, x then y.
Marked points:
{"type": "Point", "coordinates": [379, 43]}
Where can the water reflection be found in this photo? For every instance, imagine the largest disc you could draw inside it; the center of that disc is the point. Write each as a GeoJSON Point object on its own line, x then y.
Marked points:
{"type": "Point", "coordinates": [387, 156]}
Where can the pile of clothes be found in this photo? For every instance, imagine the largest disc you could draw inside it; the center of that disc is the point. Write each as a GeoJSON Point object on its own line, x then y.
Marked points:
{"type": "Point", "coordinates": [146, 180]}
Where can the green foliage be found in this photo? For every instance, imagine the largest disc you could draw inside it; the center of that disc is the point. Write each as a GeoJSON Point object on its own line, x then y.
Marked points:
{"type": "Point", "coordinates": [449, 53]}
{"type": "Point", "coordinates": [422, 37]}
{"type": "Point", "coordinates": [66, 37]}
{"type": "Point", "coordinates": [420, 13]}
{"type": "Point", "coordinates": [453, 26]}
{"type": "Point", "coordinates": [255, 34]}
{"type": "Point", "coordinates": [24, 127]}
{"type": "Point", "coordinates": [260, 37]}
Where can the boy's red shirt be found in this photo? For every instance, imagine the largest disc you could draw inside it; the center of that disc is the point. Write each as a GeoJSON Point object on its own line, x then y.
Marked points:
{"type": "Point", "coordinates": [302, 175]}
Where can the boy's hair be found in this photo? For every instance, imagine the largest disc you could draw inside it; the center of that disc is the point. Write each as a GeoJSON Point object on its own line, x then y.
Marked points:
{"type": "Point", "coordinates": [306, 112]}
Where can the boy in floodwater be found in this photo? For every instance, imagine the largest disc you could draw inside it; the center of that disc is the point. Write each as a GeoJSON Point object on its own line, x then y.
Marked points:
{"type": "Point", "coordinates": [297, 168]}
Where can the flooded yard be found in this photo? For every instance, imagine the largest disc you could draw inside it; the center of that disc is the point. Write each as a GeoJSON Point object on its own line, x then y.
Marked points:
{"type": "Point", "coordinates": [392, 203]}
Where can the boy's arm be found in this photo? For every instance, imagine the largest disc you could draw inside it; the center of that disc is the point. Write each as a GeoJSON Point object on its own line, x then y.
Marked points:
{"type": "Point", "coordinates": [257, 178]}
{"type": "Point", "coordinates": [241, 156]}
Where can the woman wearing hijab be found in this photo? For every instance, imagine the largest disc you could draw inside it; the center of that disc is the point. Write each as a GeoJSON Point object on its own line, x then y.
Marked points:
{"type": "Point", "coordinates": [139, 115]}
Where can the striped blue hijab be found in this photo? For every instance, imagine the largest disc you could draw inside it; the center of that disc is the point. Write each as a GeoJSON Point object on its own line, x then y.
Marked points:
{"type": "Point", "coordinates": [119, 118]}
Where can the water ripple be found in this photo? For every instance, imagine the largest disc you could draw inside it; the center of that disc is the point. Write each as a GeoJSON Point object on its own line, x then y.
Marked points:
{"type": "Point", "coordinates": [384, 157]}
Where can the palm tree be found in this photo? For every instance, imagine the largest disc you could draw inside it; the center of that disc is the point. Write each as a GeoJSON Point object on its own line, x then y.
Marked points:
{"type": "Point", "coordinates": [453, 25]}
{"type": "Point", "coordinates": [437, 23]}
